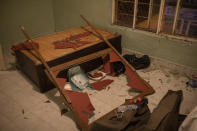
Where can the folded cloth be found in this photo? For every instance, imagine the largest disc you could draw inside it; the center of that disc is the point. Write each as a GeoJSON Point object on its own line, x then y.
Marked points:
{"type": "Point", "coordinates": [24, 46]}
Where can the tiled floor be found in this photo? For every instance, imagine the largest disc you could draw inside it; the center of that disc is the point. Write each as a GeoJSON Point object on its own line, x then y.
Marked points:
{"type": "Point", "coordinates": [23, 108]}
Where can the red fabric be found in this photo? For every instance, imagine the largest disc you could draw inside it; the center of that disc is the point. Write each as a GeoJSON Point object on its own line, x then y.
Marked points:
{"type": "Point", "coordinates": [81, 103]}
{"type": "Point", "coordinates": [24, 46]}
{"type": "Point", "coordinates": [101, 84]}
{"type": "Point", "coordinates": [72, 42]}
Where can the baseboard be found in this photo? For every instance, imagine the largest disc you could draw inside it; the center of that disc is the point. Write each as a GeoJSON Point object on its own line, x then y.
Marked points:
{"type": "Point", "coordinates": [2, 61]}
{"type": "Point", "coordinates": [163, 62]}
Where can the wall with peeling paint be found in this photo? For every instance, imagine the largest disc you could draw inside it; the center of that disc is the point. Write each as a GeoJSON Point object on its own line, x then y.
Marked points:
{"type": "Point", "coordinates": [99, 13]}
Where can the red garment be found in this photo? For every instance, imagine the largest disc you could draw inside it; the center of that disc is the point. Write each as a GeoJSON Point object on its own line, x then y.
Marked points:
{"type": "Point", "coordinates": [101, 84]}
{"type": "Point", "coordinates": [24, 46]}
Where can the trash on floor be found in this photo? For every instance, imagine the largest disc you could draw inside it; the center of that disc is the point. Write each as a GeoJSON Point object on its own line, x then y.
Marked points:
{"type": "Point", "coordinates": [78, 78]}
{"type": "Point", "coordinates": [137, 117]}
{"type": "Point", "coordinates": [192, 81]}
{"type": "Point", "coordinates": [126, 117]}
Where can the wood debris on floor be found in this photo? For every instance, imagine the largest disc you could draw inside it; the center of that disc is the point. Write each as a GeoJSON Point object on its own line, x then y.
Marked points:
{"type": "Point", "coordinates": [103, 101]}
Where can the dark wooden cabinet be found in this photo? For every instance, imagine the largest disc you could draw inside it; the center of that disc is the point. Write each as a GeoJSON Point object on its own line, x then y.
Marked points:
{"type": "Point", "coordinates": [32, 67]}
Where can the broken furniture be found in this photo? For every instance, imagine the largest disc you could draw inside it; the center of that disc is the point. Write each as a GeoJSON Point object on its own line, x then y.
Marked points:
{"type": "Point", "coordinates": [28, 62]}
{"type": "Point", "coordinates": [79, 113]}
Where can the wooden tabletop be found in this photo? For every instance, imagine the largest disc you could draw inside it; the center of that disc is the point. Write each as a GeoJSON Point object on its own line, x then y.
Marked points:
{"type": "Point", "coordinates": [47, 48]}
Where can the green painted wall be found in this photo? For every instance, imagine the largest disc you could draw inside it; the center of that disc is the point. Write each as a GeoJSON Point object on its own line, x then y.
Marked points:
{"type": "Point", "coordinates": [46, 16]}
{"type": "Point", "coordinates": [99, 12]}
{"type": "Point", "coordinates": [35, 15]}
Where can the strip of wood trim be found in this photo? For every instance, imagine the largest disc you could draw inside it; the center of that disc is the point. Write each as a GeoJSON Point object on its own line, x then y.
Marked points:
{"type": "Point", "coordinates": [150, 13]}
{"type": "Point", "coordinates": [176, 16]}
{"type": "Point", "coordinates": [114, 11]}
{"type": "Point", "coordinates": [2, 60]}
{"type": "Point", "coordinates": [162, 4]}
{"type": "Point", "coordinates": [81, 60]}
{"type": "Point", "coordinates": [135, 13]}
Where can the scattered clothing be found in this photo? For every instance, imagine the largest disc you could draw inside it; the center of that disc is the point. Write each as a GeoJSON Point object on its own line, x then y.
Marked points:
{"type": "Point", "coordinates": [138, 63]}
{"type": "Point", "coordinates": [129, 120]}
{"type": "Point", "coordinates": [72, 41]}
{"type": "Point", "coordinates": [24, 46]}
{"type": "Point", "coordinates": [101, 84]}
{"type": "Point", "coordinates": [165, 116]}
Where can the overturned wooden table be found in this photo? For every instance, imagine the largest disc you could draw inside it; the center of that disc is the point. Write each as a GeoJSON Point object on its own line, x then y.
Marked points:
{"type": "Point", "coordinates": [28, 62]}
